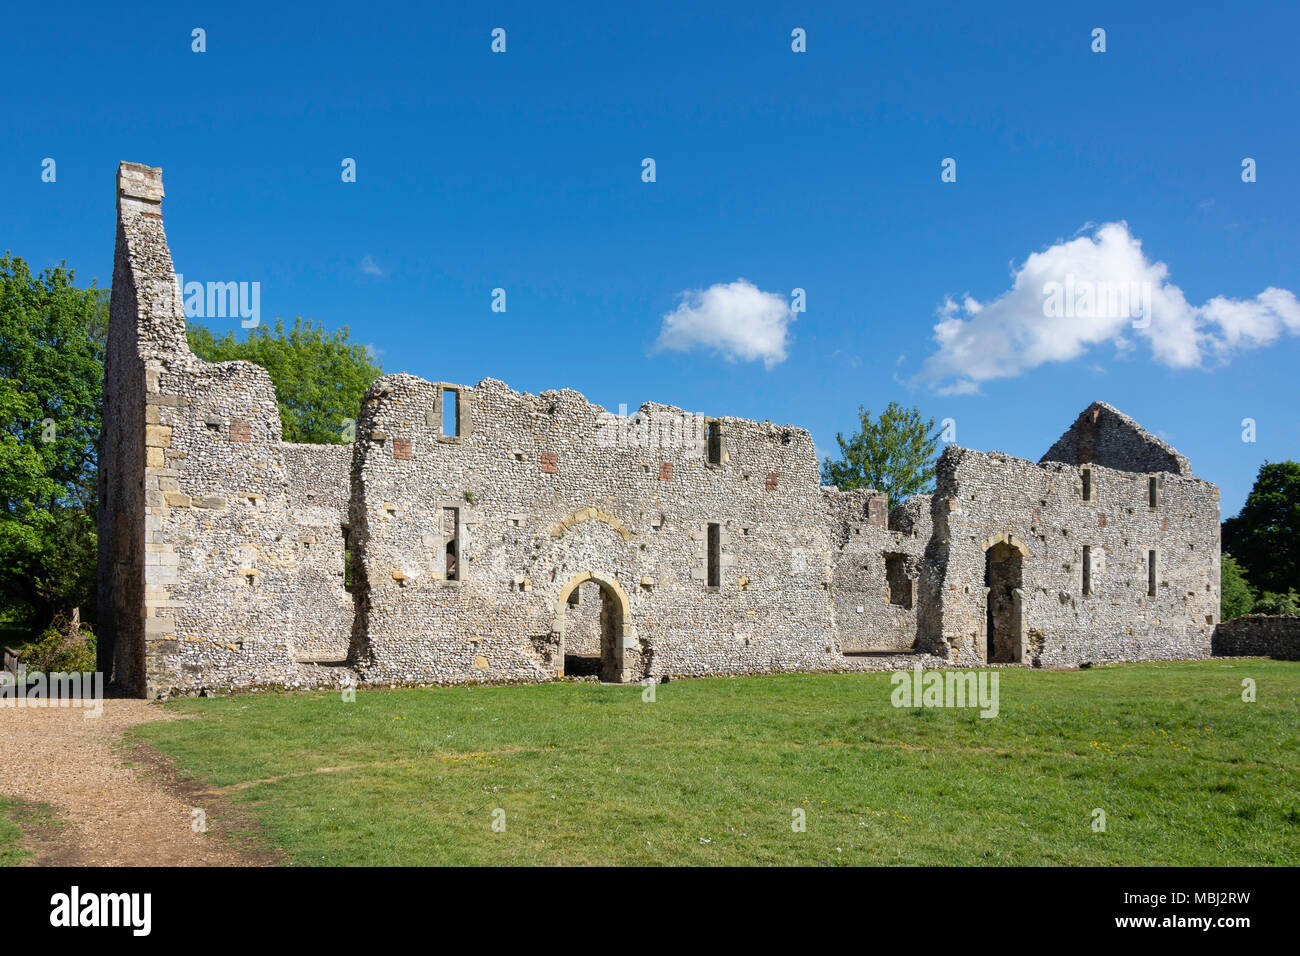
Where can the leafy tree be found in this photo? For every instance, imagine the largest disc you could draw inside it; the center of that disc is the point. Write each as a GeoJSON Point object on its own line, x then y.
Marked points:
{"type": "Point", "coordinates": [319, 376]}
{"type": "Point", "coordinates": [1265, 536]}
{"type": "Point", "coordinates": [1235, 597]}
{"type": "Point", "coordinates": [1270, 602]}
{"type": "Point", "coordinates": [894, 454]}
{"type": "Point", "coordinates": [51, 379]}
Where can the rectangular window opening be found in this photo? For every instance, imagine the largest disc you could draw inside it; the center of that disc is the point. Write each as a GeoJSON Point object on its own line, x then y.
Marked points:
{"type": "Point", "coordinates": [900, 585]}
{"type": "Point", "coordinates": [715, 443]}
{"type": "Point", "coordinates": [1087, 570]}
{"type": "Point", "coordinates": [451, 530]}
{"type": "Point", "coordinates": [1153, 492]}
{"type": "Point", "coordinates": [1087, 484]}
{"type": "Point", "coordinates": [450, 413]}
{"type": "Point", "coordinates": [714, 577]}
{"type": "Point", "coordinates": [1151, 574]}
{"type": "Point", "coordinates": [349, 574]}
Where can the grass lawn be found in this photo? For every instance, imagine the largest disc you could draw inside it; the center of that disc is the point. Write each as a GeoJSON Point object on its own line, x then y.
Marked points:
{"type": "Point", "coordinates": [11, 834]}
{"type": "Point", "coordinates": [711, 772]}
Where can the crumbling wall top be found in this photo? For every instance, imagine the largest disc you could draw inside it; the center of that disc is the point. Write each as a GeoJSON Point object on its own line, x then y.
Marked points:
{"type": "Point", "coordinates": [147, 299]}
{"type": "Point", "coordinates": [1103, 435]}
{"type": "Point", "coordinates": [139, 184]}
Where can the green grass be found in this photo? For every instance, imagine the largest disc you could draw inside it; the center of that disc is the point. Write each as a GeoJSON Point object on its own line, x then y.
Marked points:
{"type": "Point", "coordinates": [12, 851]}
{"type": "Point", "coordinates": [1186, 772]}
{"type": "Point", "coordinates": [11, 836]}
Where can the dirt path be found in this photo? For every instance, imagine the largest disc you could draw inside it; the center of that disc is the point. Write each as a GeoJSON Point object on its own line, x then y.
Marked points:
{"type": "Point", "coordinates": [117, 808]}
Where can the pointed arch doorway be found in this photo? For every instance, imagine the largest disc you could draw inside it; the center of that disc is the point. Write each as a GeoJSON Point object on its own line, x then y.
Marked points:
{"type": "Point", "coordinates": [592, 638]}
{"type": "Point", "coordinates": [1004, 625]}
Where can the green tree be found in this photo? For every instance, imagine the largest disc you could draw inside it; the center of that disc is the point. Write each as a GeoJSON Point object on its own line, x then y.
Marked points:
{"type": "Point", "coordinates": [894, 454]}
{"type": "Point", "coordinates": [1265, 536]}
{"type": "Point", "coordinates": [319, 376]}
{"type": "Point", "coordinates": [1235, 598]}
{"type": "Point", "coordinates": [51, 379]}
{"type": "Point", "coordinates": [1270, 602]}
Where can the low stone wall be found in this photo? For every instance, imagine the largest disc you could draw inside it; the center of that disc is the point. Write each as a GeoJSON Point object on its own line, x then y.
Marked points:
{"type": "Point", "coordinates": [1259, 635]}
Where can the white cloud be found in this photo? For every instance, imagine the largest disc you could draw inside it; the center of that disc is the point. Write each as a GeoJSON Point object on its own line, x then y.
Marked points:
{"type": "Point", "coordinates": [1095, 289]}
{"type": "Point", "coordinates": [370, 267]}
{"type": "Point", "coordinates": [737, 319]}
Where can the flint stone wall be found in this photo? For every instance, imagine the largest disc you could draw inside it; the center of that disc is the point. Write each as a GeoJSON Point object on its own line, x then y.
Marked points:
{"type": "Point", "coordinates": [1105, 436]}
{"type": "Point", "coordinates": [444, 549]}
{"type": "Point", "coordinates": [1040, 511]}
{"type": "Point", "coordinates": [542, 502]}
{"type": "Point", "coordinates": [871, 616]}
{"type": "Point", "coordinates": [319, 488]}
{"type": "Point", "coordinates": [584, 623]}
{"type": "Point", "coordinates": [1259, 635]}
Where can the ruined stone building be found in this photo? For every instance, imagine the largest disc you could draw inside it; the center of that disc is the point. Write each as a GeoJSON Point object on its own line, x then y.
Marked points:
{"type": "Point", "coordinates": [476, 533]}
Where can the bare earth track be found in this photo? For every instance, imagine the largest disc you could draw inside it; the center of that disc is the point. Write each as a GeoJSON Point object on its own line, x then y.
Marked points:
{"type": "Point", "coordinates": [121, 805]}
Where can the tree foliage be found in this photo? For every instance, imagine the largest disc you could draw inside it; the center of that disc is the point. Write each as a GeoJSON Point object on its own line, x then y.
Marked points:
{"type": "Point", "coordinates": [1265, 536]}
{"type": "Point", "coordinates": [1272, 602]}
{"type": "Point", "coordinates": [52, 339]}
{"type": "Point", "coordinates": [319, 376]}
{"type": "Point", "coordinates": [51, 379]}
{"type": "Point", "coordinates": [894, 454]}
{"type": "Point", "coordinates": [1235, 596]}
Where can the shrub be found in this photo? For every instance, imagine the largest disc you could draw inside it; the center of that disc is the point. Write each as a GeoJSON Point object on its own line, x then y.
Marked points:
{"type": "Point", "coordinates": [1272, 603]}
{"type": "Point", "coordinates": [58, 651]}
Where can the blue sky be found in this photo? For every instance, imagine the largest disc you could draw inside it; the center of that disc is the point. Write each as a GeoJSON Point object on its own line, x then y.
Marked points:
{"type": "Point", "coordinates": [817, 170]}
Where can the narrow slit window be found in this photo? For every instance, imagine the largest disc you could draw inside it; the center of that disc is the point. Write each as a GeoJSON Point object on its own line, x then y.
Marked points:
{"type": "Point", "coordinates": [1087, 570]}
{"type": "Point", "coordinates": [349, 574]}
{"type": "Point", "coordinates": [714, 577]}
{"type": "Point", "coordinates": [451, 530]}
{"type": "Point", "coordinates": [1153, 492]}
{"type": "Point", "coordinates": [715, 443]}
{"type": "Point", "coordinates": [1151, 574]}
{"type": "Point", "coordinates": [1087, 484]}
{"type": "Point", "coordinates": [450, 413]}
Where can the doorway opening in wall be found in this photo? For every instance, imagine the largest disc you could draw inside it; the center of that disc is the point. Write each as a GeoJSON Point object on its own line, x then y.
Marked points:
{"type": "Point", "coordinates": [593, 624]}
{"type": "Point", "coordinates": [900, 585]}
{"type": "Point", "coordinates": [1002, 624]}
